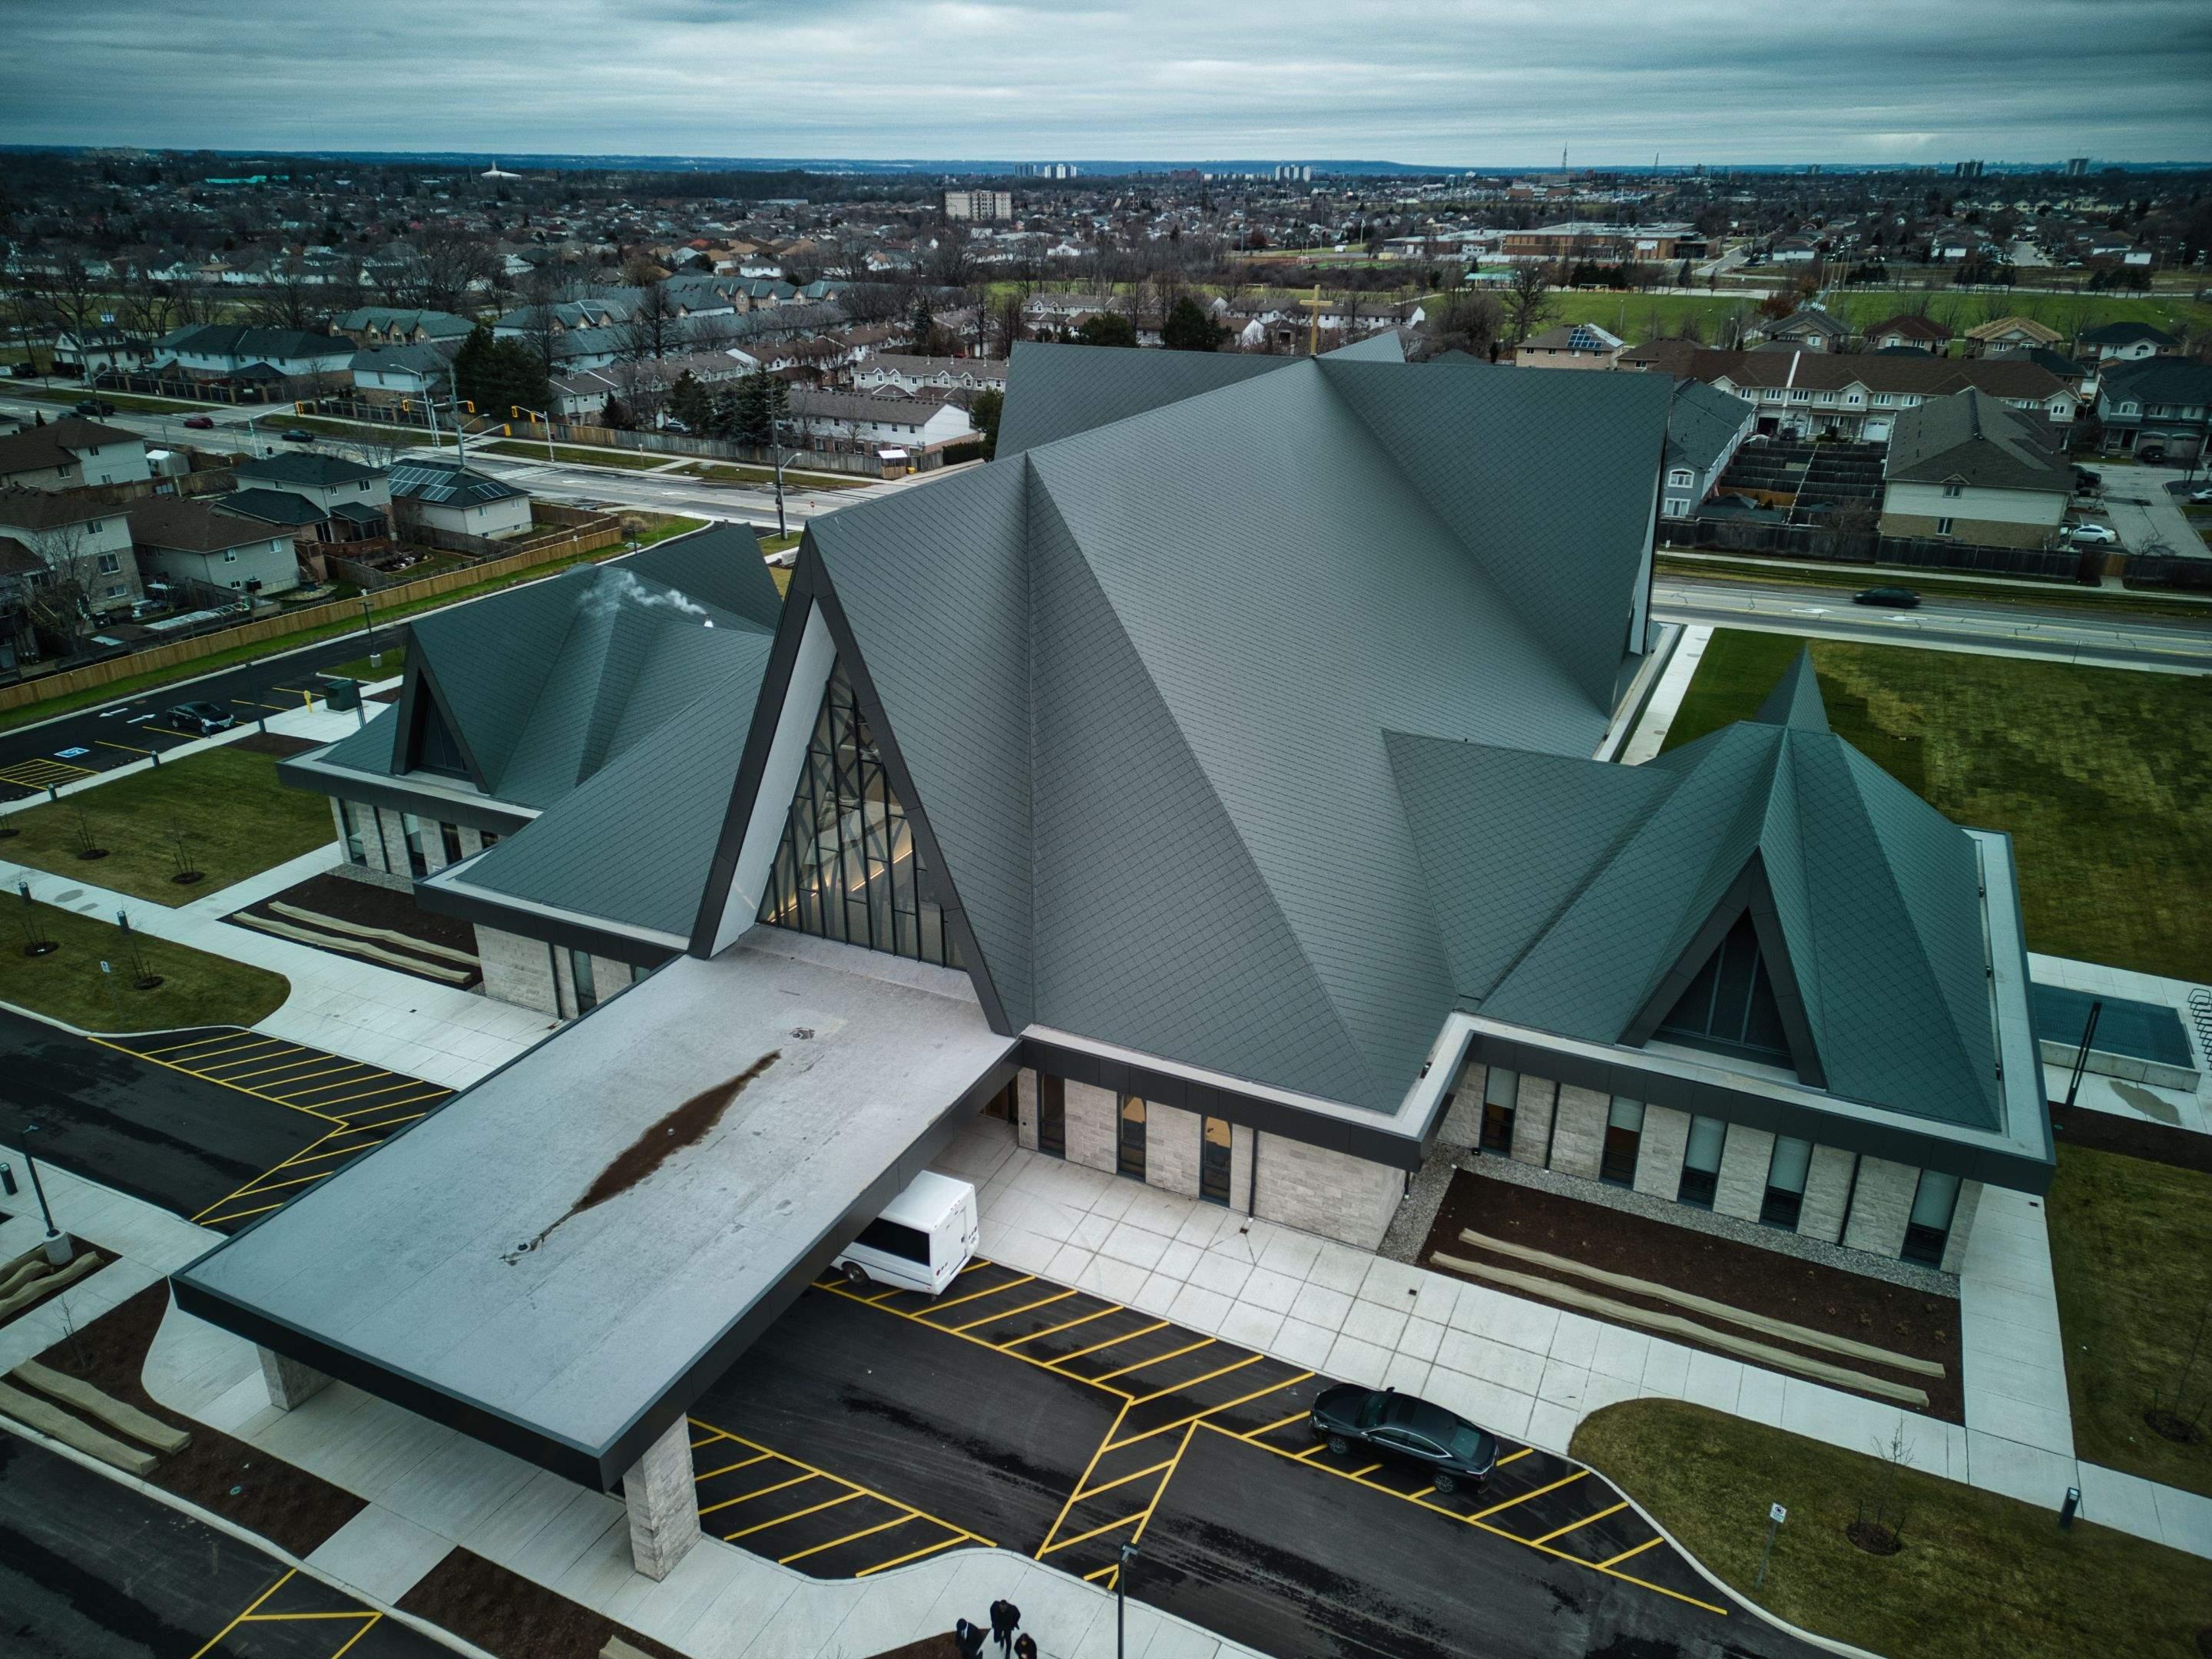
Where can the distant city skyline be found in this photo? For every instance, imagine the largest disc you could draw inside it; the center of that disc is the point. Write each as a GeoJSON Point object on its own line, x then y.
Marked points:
{"type": "Point", "coordinates": [1445, 86]}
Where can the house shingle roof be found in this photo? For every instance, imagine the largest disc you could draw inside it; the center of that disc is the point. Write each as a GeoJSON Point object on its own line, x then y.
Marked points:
{"type": "Point", "coordinates": [294, 466]}
{"type": "Point", "coordinates": [1971, 436]}
{"type": "Point", "coordinates": [57, 444]}
{"type": "Point", "coordinates": [171, 521]}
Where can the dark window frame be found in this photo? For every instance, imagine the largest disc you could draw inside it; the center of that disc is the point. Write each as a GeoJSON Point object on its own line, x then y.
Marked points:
{"type": "Point", "coordinates": [1052, 1115]}
{"type": "Point", "coordinates": [1129, 1149]}
{"type": "Point", "coordinates": [1216, 1161]}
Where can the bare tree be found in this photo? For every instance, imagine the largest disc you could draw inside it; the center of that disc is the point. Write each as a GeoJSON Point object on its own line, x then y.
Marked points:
{"type": "Point", "coordinates": [288, 299]}
{"type": "Point", "coordinates": [642, 387]}
{"type": "Point", "coordinates": [1528, 299]}
{"type": "Point", "coordinates": [651, 329]}
{"type": "Point", "coordinates": [442, 266]}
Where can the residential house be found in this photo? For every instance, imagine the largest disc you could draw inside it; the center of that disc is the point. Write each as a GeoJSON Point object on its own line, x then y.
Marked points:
{"type": "Point", "coordinates": [1972, 468]}
{"type": "Point", "coordinates": [71, 454]}
{"type": "Point", "coordinates": [1808, 328]}
{"type": "Point", "coordinates": [445, 496]}
{"type": "Point", "coordinates": [1570, 345]}
{"type": "Point", "coordinates": [2126, 343]}
{"type": "Point", "coordinates": [893, 423]}
{"type": "Point", "coordinates": [1909, 330]}
{"type": "Point", "coordinates": [912, 374]}
{"type": "Point", "coordinates": [74, 539]}
{"type": "Point", "coordinates": [232, 351]}
{"type": "Point", "coordinates": [1705, 427]}
{"type": "Point", "coordinates": [528, 728]}
{"type": "Point", "coordinates": [395, 326]}
{"type": "Point", "coordinates": [2010, 334]}
{"type": "Point", "coordinates": [98, 351]}
{"type": "Point", "coordinates": [2156, 408]}
{"type": "Point", "coordinates": [191, 546]}
{"type": "Point", "coordinates": [1806, 393]}
{"type": "Point", "coordinates": [399, 373]}
{"type": "Point", "coordinates": [330, 481]}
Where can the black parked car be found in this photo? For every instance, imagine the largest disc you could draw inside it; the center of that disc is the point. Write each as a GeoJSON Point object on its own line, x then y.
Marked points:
{"type": "Point", "coordinates": [1897, 598]}
{"type": "Point", "coordinates": [1457, 1455]}
{"type": "Point", "coordinates": [202, 720]}
{"type": "Point", "coordinates": [295, 434]}
{"type": "Point", "coordinates": [95, 409]}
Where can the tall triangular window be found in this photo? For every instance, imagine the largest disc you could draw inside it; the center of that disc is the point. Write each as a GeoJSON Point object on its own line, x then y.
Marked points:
{"type": "Point", "coordinates": [847, 867]}
{"type": "Point", "coordinates": [436, 748]}
{"type": "Point", "coordinates": [1730, 1006]}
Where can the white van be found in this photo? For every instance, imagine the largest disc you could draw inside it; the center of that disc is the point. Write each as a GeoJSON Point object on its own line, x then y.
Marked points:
{"type": "Point", "coordinates": [921, 1242]}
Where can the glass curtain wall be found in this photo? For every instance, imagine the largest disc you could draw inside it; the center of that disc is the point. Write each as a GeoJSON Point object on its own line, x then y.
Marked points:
{"type": "Point", "coordinates": [848, 867]}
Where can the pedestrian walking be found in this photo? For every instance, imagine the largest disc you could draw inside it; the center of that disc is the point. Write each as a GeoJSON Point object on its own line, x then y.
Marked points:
{"type": "Point", "coordinates": [1006, 1619]}
{"type": "Point", "coordinates": [1025, 1646]}
{"type": "Point", "coordinates": [970, 1638]}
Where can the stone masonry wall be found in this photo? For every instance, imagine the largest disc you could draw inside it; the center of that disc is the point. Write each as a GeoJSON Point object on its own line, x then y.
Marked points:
{"type": "Point", "coordinates": [1659, 1155]}
{"type": "Point", "coordinates": [1578, 1131]}
{"type": "Point", "coordinates": [1091, 1112]}
{"type": "Point", "coordinates": [1827, 1192]}
{"type": "Point", "coordinates": [1171, 1148]}
{"type": "Point", "coordinates": [516, 970]}
{"type": "Point", "coordinates": [1325, 1192]}
{"type": "Point", "coordinates": [1746, 1156]}
{"type": "Point", "coordinates": [1881, 1205]}
{"type": "Point", "coordinates": [1532, 1118]}
{"type": "Point", "coordinates": [1462, 1124]}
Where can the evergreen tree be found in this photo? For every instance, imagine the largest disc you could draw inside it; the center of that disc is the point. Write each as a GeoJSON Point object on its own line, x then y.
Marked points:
{"type": "Point", "coordinates": [761, 399]}
{"type": "Point", "coordinates": [983, 415]}
{"type": "Point", "coordinates": [690, 403]}
{"type": "Point", "coordinates": [922, 326]}
{"type": "Point", "coordinates": [1190, 329]}
{"type": "Point", "coordinates": [1106, 328]}
{"type": "Point", "coordinates": [617, 417]}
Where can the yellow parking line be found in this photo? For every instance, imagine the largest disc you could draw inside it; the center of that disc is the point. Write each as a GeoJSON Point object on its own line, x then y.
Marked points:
{"type": "Point", "coordinates": [708, 1439]}
{"type": "Point", "coordinates": [1093, 1578]}
{"type": "Point", "coordinates": [1280, 1423]}
{"type": "Point", "coordinates": [877, 1300]}
{"type": "Point", "coordinates": [340, 1100]}
{"type": "Point", "coordinates": [172, 1047]}
{"type": "Point", "coordinates": [1514, 1457]}
{"type": "Point", "coordinates": [1652, 1542]}
{"type": "Point", "coordinates": [730, 1503]}
{"type": "Point", "coordinates": [1500, 1509]}
{"type": "Point", "coordinates": [235, 1047]}
{"type": "Point", "coordinates": [916, 1555]}
{"type": "Point", "coordinates": [1166, 1463]}
{"type": "Point", "coordinates": [1158, 1358]}
{"type": "Point", "coordinates": [1301, 1457]}
{"type": "Point", "coordinates": [254, 1189]}
{"type": "Point", "coordinates": [312, 1059]}
{"type": "Point", "coordinates": [1226, 1405]}
{"type": "Point", "coordinates": [840, 1480]}
{"type": "Point", "coordinates": [363, 1071]}
{"type": "Point", "coordinates": [1361, 1474]}
{"type": "Point", "coordinates": [356, 1636]}
{"type": "Point", "coordinates": [1161, 1491]}
{"type": "Point", "coordinates": [1106, 1440]}
{"type": "Point", "coordinates": [972, 1296]}
{"type": "Point", "coordinates": [1249, 1359]}
{"type": "Point", "coordinates": [311, 1156]}
{"type": "Point", "coordinates": [727, 1468]}
{"type": "Point", "coordinates": [1084, 1537]}
{"type": "Point", "coordinates": [1100, 1347]}
{"type": "Point", "coordinates": [864, 1532]}
{"type": "Point", "coordinates": [1026, 1307]}
{"type": "Point", "coordinates": [124, 747]}
{"type": "Point", "coordinates": [1572, 1526]}
{"type": "Point", "coordinates": [1053, 1330]}
{"type": "Point", "coordinates": [204, 1219]}
{"type": "Point", "coordinates": [812, 1509]}
{"type": "Point", "coordinates": [187, 1071]}
{"type": "Point", "coordinates": [304, 1618]}
{"type": "Point", "coordinates": [215, 1640]}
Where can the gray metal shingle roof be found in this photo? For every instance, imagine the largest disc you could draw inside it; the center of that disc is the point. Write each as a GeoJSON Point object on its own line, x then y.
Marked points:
{"type": "Point", "coordinates": [1053, 392]}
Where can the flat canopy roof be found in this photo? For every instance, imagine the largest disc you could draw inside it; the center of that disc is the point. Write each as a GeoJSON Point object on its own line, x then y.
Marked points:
{"type": "Point", "coordinates": [559, 1259]}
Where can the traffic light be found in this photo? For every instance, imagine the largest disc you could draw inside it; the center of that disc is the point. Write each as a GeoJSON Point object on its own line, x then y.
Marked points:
{"type": "Point", "coordinates": [514, 411]}
{"type": "Point", "coordinates": [469, 405]}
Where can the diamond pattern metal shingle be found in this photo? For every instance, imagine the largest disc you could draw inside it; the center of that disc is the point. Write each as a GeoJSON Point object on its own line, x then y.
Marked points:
{"type": "Point", "coordinates": [1054, 392]}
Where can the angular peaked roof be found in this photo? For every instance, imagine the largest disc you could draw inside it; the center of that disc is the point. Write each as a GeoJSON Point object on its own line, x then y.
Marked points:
{"type": "Point", "coordinates": [1156, 765]}
{"type": "Point", "coordinates": [1866, 900]}
{"type": "Point", "coordinates": [1972, 436]}
{"type": "Point", "coordinates": [1054, 392]}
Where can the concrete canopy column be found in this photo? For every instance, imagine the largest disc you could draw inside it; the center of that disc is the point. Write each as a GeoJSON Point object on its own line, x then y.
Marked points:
{"type": "Point", "coordinates": [1025, 1109]}
{"type": "Point", "coordinates": [1741, 1189]}
{"type": "Point", "coordinates": [1533, 1105]}
{"type": "Point", "coordinates": [663, 1503]}
{"type": "Point", "coordinates": [1881, 1205]}
{"type": "Point", "coordinates": [1659, 1154]}
{"type": "Point", "coordinates": [1827, 1194]}
{"type": "Point", "coordinates": [290, 1384]}
{"type": "Point", "coordinates": [1578, 1131]}
{"type": "Point", "coordinates": [1962, 1225]}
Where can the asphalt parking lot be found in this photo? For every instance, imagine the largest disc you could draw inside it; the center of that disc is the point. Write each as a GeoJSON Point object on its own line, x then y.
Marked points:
{"type": "Point", "coordinates": [219, 1124]}
{"type": "Point", "coordinates": [872, 1427]}
{"type": "Point", "coordinates": [92, 1569]}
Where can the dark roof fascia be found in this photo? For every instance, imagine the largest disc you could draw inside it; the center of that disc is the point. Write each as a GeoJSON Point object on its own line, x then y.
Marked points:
{"type": "Point", "coordinates": [447, 894]}
{"type": "Point", "coordinates": [1384, 1140]}
{"type": "Point", "coordinates": [306, 772]}
{"type": "Point", "coordinates": [760, 740]}
{"type": "Point", "coordinates": [944, 891]}
{"type": "Point", "coordinates": [1849, 1126]}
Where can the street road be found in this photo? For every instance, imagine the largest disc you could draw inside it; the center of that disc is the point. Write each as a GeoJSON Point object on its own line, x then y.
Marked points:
{"type": "Point", "coordinates": [2065, 633]}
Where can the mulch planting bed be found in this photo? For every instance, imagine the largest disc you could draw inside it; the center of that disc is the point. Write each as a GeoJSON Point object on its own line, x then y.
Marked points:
{"type": "Point", "coordinates": [2105, 1131]}
{"type": "Point", "coordinates": [343, 899]}
{"type": "Point", "coordinates": [241, 1483]}
{"type": "Point", "coordinates": [1743, 1276]}
{"type": "Point", "coordinates": [274, 743]}
{"type": "Point", "coordinates": [78, 1249]}
{"type": "Point", "coordinates": [931, 1647]}
{"type": "Point", "coordinates": [506, 1614]}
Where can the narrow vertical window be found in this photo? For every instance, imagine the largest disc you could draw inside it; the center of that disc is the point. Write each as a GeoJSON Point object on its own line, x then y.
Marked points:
{"type": "Point", "coordinates": [1624, 1138]}
{"type": "Point", "coordinates": [1052, 1115]}
{"type": "Point", "coordinates": [1701, 1161]}
{"type": "Point", "coordinates": [1498, 1092]}
{"type": "Point", "coordinates": [1929, 1228]}
{"type": "Point", "coordinates": [1129, 1144]}
{"type": "Point", "coordinates": [1213, 1160]}
{"type": "Point", "coordinates": [588, 990]}
{"type": "Point", "coordinates": [1786, 1182]}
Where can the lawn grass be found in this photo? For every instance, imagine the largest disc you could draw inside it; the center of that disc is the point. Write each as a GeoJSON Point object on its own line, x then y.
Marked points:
{"type": "Point", "coordinates": [1979, 1574]}
{"type": "Point", "coordinates": [2103, 777]}
{"type": "Point", "coordinates": [391, 659]}
{"type": "Point", "coordinates": [195, 989]}
{"type": "Point", "coordinates": [2069, 596]}
{"type": "Point", "coordinates": [2131, 1250]}
{"type": "Point", "coordinates": [569, 455]}
{"type": "Point", "coordinates": [236, 819]}
{"type": "Point", "coordinates": [647, 528]}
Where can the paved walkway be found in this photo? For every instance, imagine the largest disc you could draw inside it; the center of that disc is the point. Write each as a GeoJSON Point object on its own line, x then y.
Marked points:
{"type": "Point", "coordinates": [1651, 734]}
{"type": "Point", "coordinates": [1533, 1372]}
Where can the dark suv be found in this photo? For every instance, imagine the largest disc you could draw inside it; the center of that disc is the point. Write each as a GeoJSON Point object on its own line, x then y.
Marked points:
{"type": "Point", "coordinates": [1457, 1455]}
{"type": "Point", "coordinates": [201, 719]}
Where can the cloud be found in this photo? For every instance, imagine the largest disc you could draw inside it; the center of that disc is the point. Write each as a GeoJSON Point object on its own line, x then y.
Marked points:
{"type": "Point", "coordinates": [1444, 83]}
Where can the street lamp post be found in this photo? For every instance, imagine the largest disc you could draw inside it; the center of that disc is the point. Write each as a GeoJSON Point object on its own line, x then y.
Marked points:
{"type": "Point", "coordinates": [58, 1245]}
{"type": "Point", "coordinates": [1120, 1594]}
{"type": "Point", "coordinates": [775, 443]}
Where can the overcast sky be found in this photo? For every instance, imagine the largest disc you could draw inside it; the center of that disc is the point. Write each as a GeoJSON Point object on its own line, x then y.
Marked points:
{"type": "Point", "coordinates": [1439, 82]}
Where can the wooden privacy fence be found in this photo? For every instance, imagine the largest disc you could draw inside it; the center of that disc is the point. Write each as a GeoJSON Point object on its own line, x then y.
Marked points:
{"type": "Point", "coordinates": [94, 675]}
